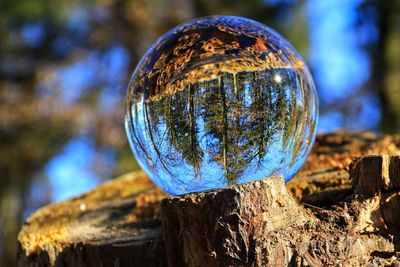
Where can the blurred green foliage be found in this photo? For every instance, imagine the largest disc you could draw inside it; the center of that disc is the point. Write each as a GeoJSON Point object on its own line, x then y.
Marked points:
{"type": "Point", "coordinates": [35, 124]}
{"type": "Point", "coordinates": [36, 121]}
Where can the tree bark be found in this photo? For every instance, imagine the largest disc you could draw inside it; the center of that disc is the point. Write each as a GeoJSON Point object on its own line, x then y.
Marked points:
{"type": "Point", "coordinates": [117, 224]}
{"type": "Point", "coordinates": [320, 218]}
{"type": "Point", "coordinates": [224, 227]}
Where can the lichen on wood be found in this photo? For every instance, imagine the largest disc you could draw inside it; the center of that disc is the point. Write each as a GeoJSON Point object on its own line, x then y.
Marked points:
{"type": "Point", "coordinates": [323, 217]}
{"type": "Point", "coordinates": [102, 226]}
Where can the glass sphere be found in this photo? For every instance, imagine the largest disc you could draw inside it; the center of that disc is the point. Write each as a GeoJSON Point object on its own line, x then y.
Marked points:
{"type": "Point", "coordinates": [219, 101]}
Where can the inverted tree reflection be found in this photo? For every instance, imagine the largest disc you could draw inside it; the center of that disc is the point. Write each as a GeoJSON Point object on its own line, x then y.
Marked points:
{"type": "Point", "coordinates": [239, 121]}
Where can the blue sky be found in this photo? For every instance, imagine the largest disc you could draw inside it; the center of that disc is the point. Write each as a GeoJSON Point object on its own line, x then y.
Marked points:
{"type": "Point", "coordinates": [337, 59]}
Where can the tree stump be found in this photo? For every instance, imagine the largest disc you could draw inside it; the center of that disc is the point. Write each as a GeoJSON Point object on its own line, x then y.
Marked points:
{"type": "Point", "coordinates": [224, 227]}
{"type": "Point", "coordinates": [117, 224]}
{"type": "Point", "coordinates": [320, 218]}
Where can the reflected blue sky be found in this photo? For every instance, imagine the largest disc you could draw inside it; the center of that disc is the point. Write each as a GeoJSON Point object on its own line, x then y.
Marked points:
{"type": "Point", "coordinates": [339, 64]}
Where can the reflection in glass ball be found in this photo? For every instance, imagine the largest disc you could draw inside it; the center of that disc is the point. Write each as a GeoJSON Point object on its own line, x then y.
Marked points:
{"type": "Point", "coordinates": [220, 101]}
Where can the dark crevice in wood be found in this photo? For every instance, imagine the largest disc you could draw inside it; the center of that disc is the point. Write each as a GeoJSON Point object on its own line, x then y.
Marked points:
{"type": "Point", "coordinates": [320, 218]}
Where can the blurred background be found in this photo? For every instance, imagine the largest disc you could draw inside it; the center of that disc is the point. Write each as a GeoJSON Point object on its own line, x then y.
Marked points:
{"type": "Point", "coordinates": [65, 65]}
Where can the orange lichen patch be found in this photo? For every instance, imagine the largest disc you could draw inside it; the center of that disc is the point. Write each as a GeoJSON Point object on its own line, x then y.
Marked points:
{"type": "Point", "coordinates": [116, 208]}
{"type": "Point", "coordinates": [326, 169]}
{"type": "Point", "coordinates": [347, 146]}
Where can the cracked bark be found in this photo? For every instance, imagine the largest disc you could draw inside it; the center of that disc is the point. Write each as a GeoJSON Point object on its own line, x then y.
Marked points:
{"type": "Point", "coordinates": [320, 218]}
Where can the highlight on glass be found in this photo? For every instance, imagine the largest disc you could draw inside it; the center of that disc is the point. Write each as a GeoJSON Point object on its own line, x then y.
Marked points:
{"type": "Point", "coordinates": [219, 101]}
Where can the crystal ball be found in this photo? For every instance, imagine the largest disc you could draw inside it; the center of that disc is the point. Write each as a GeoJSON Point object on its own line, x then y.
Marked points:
{"type": "Point", "coordinates": [218, 101]}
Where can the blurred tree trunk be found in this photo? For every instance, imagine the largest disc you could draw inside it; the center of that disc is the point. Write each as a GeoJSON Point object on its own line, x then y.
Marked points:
{"type": "Point", "coordinates": [386, 61]}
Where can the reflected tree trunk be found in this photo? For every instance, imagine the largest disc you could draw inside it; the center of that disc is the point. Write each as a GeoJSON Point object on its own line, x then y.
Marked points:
{"type": "Point", "coordinates": [224, 127]}
{"type": "Point", "coordinates": [160, 155]}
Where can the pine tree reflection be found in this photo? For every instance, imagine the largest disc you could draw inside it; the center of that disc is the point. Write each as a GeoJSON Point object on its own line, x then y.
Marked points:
{"type": "Point", "coordinates": [237, 121]}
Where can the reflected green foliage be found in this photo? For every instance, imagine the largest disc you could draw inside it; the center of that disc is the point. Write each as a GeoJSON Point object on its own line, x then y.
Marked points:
{"type": "Point", "coordinates": [36, 121]}
{"type": "Point", "coordinates": [209, 134]}
{"type": "Point", "coordinates": [219, 101]}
